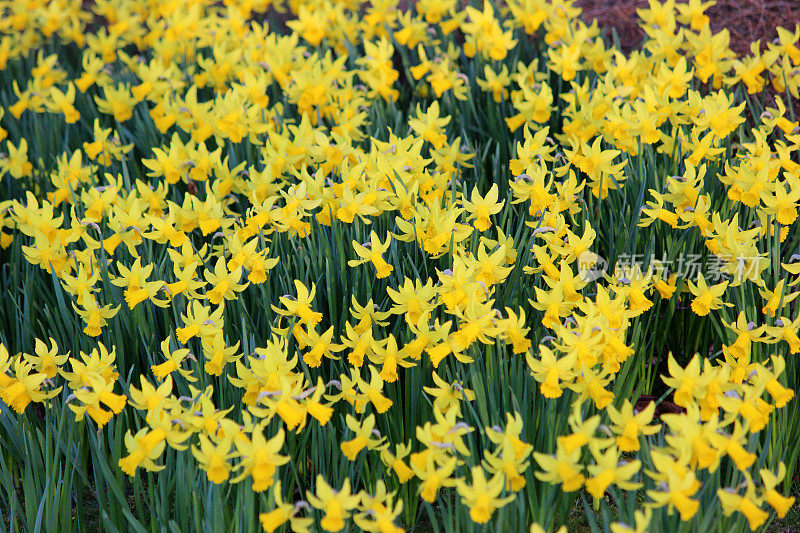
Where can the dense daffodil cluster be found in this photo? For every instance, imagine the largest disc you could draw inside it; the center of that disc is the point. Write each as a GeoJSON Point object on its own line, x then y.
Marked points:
{"type": "Point", "coordinates": [329, 182]}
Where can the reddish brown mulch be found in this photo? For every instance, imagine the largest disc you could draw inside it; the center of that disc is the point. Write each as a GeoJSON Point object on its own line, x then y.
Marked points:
{"type": "Point", "coordinates": [746, 20]}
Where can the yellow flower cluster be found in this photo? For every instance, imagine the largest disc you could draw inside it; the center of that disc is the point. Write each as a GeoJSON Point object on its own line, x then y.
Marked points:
{"type": "Point", "coordinates": [415, 203]}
